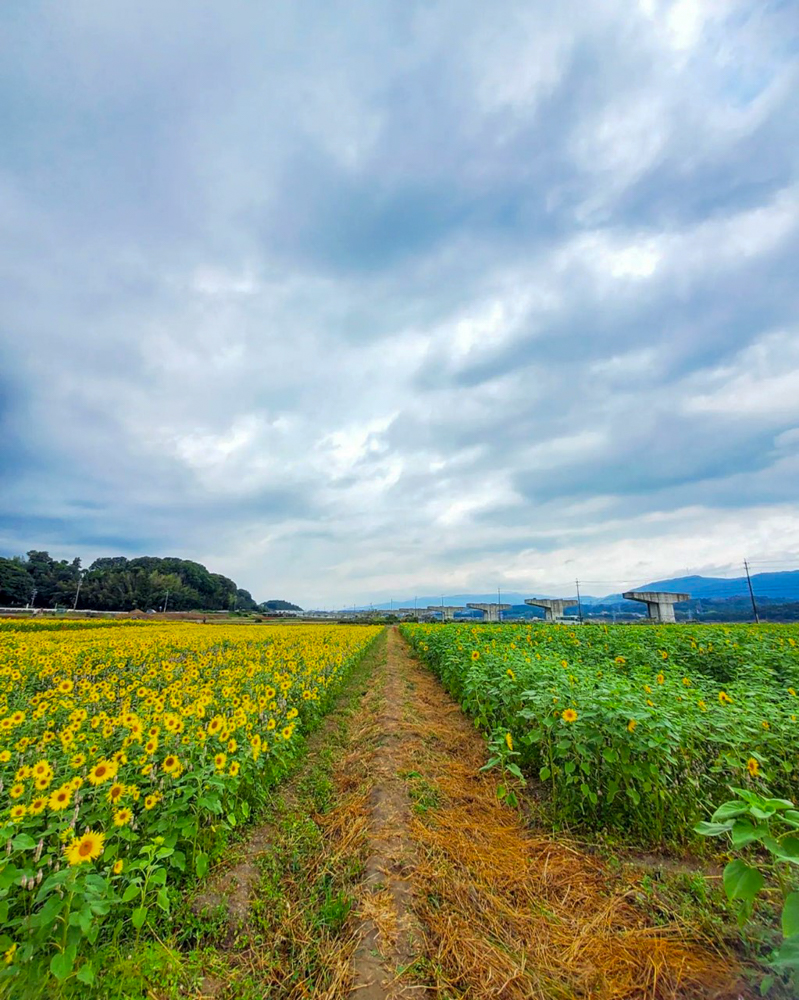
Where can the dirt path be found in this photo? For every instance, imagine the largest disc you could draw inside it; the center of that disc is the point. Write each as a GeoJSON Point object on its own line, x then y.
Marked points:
{"type": "Point", "coordinates": [390, 935]}
{"type": "Point", "coordinates": [461, 899]}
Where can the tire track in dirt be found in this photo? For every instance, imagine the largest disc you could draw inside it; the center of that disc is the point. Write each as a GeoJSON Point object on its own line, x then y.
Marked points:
{"type": "Point", "coordinates": [461, 899]}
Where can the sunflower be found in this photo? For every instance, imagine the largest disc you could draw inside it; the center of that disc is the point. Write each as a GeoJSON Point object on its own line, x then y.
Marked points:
{"type": "Point", "coordinates": [234, 769]}
{"type": "Point", "coordinates": [18, 813]}
{"type": "Point", "coordinates": [569, 715]}
{"type": "Point", "coordinates": [287, 732]}
{"type": "Point", "coordinates": [122, 817]}
{"type": "Point", "coordinates": [65, 687]}
{"type": "Point", "coordinates": [78, 761]}
{"type": "Point", "coordinates": [60, 798]}
{"type": "Point", "coordinates": [220, 761]}
{"type": "Point", "coordinates": [85, 848]}
{"type": "Point", "coordinates": [118, 866]}
{"type": "Point", "coordinates": [753, 767]}
{"type": "Point", "coordinates": [660, 679]}
{"type": "Point", "coordinates": [509, 741]}
{"type": "Point", "coordinates": [510, 674]}
{"type": "Point", "coordinates": [115, 792]}
{"type": "Point", "coordinates": [103, 770]}
{"type": "Point", "coordinates": [724, 698]}
{"type": "Point", "coordinates": [16, 790]}
{"type": "Point", "coordinates": [151, 801]}
{"type": "Point", "coordinates": [475, 654]}
{"type": "Point", "coordinates": [631, 726]}
{"type": "Point", "coordinates": [171, 763]}
{"type": "Point", "coordinates": [38, 805]}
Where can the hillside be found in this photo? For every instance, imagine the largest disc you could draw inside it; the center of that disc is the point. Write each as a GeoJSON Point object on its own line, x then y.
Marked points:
{"type": "Point", "coordinates": [779, 586]}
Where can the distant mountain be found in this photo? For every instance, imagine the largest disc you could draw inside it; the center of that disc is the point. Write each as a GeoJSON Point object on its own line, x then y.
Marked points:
{"type": "Point", "coordinates": [780, 586]}
{"type": "Point", "coordinates": [278, 606]}
{"type": "Point", "coordinates": [512, 597]}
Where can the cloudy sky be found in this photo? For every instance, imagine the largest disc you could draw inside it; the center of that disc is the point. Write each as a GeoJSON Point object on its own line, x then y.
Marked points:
{"type": "Point", "coordinates": [352, 300]}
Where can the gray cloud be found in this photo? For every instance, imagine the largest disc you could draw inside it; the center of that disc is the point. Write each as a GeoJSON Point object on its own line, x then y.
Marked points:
{"type": "Point", "coordinates": [409, 298]}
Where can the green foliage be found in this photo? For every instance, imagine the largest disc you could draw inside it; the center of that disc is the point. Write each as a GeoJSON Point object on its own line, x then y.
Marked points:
{"type": "Point", "coordinates": [773, 825]}
{"type": "Point", "coordinates": [119, 584]}
{"type": "Point", "coordinates": [631, 728]}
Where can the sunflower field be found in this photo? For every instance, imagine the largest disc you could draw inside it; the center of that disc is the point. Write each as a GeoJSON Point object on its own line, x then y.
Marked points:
{"type": "Point", "coordinates": [634, 730]}
{"type": "Point", "coordinates": [127, 755]}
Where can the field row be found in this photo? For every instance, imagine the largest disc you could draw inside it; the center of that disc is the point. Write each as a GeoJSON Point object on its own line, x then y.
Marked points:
{"type": "Point", "coordinates": [127, 755]}
{"type": "Point", "coordinates": [637, 729]}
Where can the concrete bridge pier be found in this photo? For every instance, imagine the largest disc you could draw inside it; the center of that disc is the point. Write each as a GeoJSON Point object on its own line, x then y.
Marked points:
{"type": "Point", "coordinates": [491, 612]}
{"type": "Point", "coordinates": [659, 603]}
{"type": "Point", "coordinates": [447, 611]}
{"type": "Point", "coordinates": [553, 607]}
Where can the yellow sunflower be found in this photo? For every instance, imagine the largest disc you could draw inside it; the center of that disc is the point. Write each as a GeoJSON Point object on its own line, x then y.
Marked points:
{"type": "Point", "coordinates": [85, 848]}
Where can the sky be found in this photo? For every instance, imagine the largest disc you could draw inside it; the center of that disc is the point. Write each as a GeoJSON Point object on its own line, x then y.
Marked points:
{"type": "Point", "coordinates": [356, 300]}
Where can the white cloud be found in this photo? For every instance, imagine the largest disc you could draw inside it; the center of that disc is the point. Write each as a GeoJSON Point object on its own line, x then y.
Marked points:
{"type": "Point", "coordinates": [431, 296]}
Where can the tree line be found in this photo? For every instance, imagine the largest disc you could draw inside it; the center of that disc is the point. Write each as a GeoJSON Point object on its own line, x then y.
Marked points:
{"type": "Point", "coordinates": [121, 584]}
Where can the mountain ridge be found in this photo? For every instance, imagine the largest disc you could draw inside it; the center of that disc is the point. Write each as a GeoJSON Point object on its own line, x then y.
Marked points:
{"type": "Point", "coordinates": [783, 585]}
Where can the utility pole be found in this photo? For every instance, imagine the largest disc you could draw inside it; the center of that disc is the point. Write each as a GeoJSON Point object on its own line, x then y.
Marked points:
{"type": "Point", "coordinates": [77, 592]}
{"type": "Point", "coordinates": [499, 604]}
{"type": "Point", "coordinates": [415, 611]}
{"type": "Point", "coordinates": [166, 601]}
{"type": "Point", "coordinates": [751, 592]}
{"type": "Point", "coordinates": [579, 602]}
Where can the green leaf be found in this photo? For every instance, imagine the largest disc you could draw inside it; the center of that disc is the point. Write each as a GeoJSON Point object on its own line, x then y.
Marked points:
{"type": "Point", "coordinates": [61, 964]}
{"type": "Point", "coordinates": [201, 864]}
{"type": "Point", "coordinates": [23, 842]}
{"type": "Point", "coordinates": [786, 849]}
{"type": "Point", "coordinates": [790, 915]}
{"type": "Point", "coordinates": [729, 810]}
{"type": "Point", "coordinates": [778, 804]}
{"type": "Point", "coordinates": [545, 773]}
{"type": "Point", "coordinates": [130, 893]}
{"type": "Point", "coordinates": [569, 767]}
{"type": "Point", "coordinates": [515, 771]}
{"type": "Point", "coordinates": [765, 984]}
{"type": "Point", "coordinates": [791, 816]}
{"type": "Point", "coordinates": [86, 973]}
{"type": "Point", "coordinates": [744, 832]}
{"type": "Point", "coordinates": [742, 881]}
{"type": "Point", "coordinates": [713, 829]}
{"type": "Point", "coordinates": [138, 917]}
{"type": "Point", "coordinates": [634, 795]}
{"type": "Point", "coordinates": [158, 877]}
{"type": "Point", "coordinates": [788, 954]}
{"type": "Point", "coordinates": [8, 875]}
{"type": "Point", "coordinates": [163, 899]}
